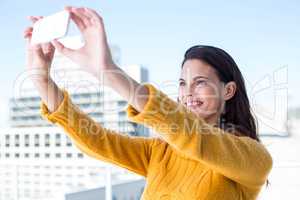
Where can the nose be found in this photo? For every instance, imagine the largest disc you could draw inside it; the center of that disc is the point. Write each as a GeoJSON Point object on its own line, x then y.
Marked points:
{"type": "Point", "coordinates": [188, 90]}
{"type": "Point", "coordinates": [188, 93]}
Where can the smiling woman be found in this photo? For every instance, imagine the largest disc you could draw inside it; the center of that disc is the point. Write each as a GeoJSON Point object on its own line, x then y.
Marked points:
{"type": "Point", "coordinates": [194, 158]}
{"type": "Point", "coordinates": [214, 79]}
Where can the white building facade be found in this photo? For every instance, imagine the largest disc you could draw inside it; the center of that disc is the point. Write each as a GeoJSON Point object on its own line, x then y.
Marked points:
{"type": "Point", "coordinates": [37, 159]}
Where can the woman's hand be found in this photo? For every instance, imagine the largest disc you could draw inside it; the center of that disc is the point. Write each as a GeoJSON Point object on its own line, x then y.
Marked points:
{"type": "Point", "coordinates": [39, 60]}
{"type": "Point", "coordinates": [39, 57]}
{"type": "Point", "coordinates": [94, 57]}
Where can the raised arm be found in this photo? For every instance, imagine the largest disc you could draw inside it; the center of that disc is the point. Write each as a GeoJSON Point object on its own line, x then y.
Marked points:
{"type": "Point", "coordinates": [130, 152]}
{"type": "Point", "coordinates": [133, 153]}
{"type": "Point", "coordinates": [95, 57]}
{"type": "Point", "coordinates": [241, 159]}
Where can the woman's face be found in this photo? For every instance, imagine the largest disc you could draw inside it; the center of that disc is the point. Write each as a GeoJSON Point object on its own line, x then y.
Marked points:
{"type": "Point", "coordinates": [201, 90]}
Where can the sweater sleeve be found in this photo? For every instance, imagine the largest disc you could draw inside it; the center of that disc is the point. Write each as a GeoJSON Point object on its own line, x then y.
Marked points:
{"type": "Point", "coordinates": [130, 152]}
{"type": "Point", "coordinates": [241, 159]}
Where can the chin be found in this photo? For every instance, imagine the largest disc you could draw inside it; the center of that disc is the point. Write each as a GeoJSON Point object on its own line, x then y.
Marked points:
{"type": "Point", "coordinates": [201, 115]}
{"type": "Point", "coordinates": [204, 115]}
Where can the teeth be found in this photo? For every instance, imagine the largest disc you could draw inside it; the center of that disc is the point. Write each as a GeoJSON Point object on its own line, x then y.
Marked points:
{"type": "Point", "coordinates": [194, 103]}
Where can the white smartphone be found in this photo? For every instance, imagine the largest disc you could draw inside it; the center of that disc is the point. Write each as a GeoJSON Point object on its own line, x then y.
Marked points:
{"type": "Point", "coordinates": [51, 27]}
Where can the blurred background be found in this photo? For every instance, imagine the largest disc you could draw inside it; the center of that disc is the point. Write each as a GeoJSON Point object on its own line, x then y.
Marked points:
{"type": "Point", "coordinates": [148, 40]}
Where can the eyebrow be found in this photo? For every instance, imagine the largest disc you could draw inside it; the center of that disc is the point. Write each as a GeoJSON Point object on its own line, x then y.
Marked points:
{"type": "Point", "coordinates": [196, 77]}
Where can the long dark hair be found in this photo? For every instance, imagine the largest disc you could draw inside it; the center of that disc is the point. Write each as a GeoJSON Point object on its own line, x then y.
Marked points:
{"type": "Point", "coordinates": [237, 114]}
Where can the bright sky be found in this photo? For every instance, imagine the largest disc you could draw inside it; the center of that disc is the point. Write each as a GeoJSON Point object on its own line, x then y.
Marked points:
{"type": "Point", "coordinates": [262, 36]}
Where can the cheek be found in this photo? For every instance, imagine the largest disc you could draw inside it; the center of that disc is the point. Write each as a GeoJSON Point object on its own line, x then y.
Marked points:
{"type": "Point", "coordinates": [211, 97]}
{"type": "Point", "coordinates": [180, 93]}
{"type": "Point", "coordinates": [208, 93]}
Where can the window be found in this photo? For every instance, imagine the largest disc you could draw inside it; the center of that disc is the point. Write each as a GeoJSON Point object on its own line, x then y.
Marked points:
{"type": "Point", "coordinates": [26, 140]}
{"type": "Point", "coordinates": [57, 155]}
{"type": "Point", "coordinates": [69, 155]}
{"type": "Point", "coordinates": [122, 103]}
{"type": "Point", "coordinates": [17, 140]}
{"type": "Point", "coordinates": [68, 141]}
{"type": "Point", "coordinates": [7, 140]}
{"type": "Point", "coordinates": [47, 140]}
{"type": "Point", "coordinates": [36, 140]}
{"type": "Point", "coordinates": [57, 140]}
{"type": "Point", "coordinates": [80, 155]}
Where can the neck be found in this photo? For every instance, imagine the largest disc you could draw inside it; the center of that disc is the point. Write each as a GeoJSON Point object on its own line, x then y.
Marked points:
{"type": "Point", "coordinates": [214, 120]}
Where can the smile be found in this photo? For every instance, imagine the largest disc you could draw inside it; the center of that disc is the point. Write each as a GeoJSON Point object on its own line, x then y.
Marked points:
{"type": "Point", "coordinates": [193, 104]}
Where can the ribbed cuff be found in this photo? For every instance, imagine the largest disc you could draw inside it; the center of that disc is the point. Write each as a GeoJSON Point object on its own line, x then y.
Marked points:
{"type": "Point", "coordinates": [60, 112]}
{"type": "Point", "coordinates": [159, 109]}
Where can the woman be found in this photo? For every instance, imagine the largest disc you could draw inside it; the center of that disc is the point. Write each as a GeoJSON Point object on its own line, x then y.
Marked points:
{"type": "Point", "coordinates": [208, 149]}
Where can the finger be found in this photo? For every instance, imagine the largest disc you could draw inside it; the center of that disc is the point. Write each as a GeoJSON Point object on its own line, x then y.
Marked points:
{"type": "Point", "coordinates": [27, 35]}
{"type": "Point", "coordinates": [77, 21]}
{"type": "Point", "coordinates": [48, 48]}
{"type": "Point", "coordinates": [27, 31]}
{"type": "Point", "coordinates": [93, 15]}
{"type": "Point", "coordinates": [37, 50]}
{"type": "Point", "coordinates": [33, 19]}
{"type": "Point", "coordinates": [62, 49]}
{"type": "Point", "coordinates": [80, 13]}
{"type": "Point", "coordinates": [69, 8]}
{"type": "Point", "coordinates": [28, 42]}
{"type": "Point", "coordinates": [29, 28]}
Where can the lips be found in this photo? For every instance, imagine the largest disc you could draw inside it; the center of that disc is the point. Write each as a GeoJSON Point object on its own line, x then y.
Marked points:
{"type": "Point", "coordinates": [193, 104]}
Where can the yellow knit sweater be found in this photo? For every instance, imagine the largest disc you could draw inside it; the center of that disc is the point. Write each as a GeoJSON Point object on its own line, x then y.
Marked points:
{"type": "Point", "coordinates": [191, 160]}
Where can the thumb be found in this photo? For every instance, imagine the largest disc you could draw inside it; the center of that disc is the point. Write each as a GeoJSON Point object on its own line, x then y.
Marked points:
{"type": "Point", "coordinates": [37, 49]}
{"type": "Point", "coordinates": [62, 49]}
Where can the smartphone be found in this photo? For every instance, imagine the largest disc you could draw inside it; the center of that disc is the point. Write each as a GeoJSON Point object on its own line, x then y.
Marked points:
{"type": "Point", "coordinates": [51, 27]}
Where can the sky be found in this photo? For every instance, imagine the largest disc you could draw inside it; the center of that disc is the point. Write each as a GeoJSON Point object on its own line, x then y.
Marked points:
{"type": "Point", "coordinates": [262, 36]}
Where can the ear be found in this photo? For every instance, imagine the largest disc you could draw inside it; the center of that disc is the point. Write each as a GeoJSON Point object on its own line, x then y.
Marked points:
{"type": "Point", "coordinates": [229, 90]}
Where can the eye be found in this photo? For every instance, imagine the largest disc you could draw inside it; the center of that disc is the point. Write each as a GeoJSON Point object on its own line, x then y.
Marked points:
{"type": "Point", "coordinates": [201, 82]}
{"type": "Point", "coordinates": [181, 83]}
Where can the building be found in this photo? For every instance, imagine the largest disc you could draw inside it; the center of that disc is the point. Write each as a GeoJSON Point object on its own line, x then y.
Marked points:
{"type": "Point", "coordinates": [43, 163]}
{"type": "Point", "coordinates": [37, 160]}
{"type": "Point", "coordinates": [126, 190]}
{"type": "Point", "coordinates": [285, 174]}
